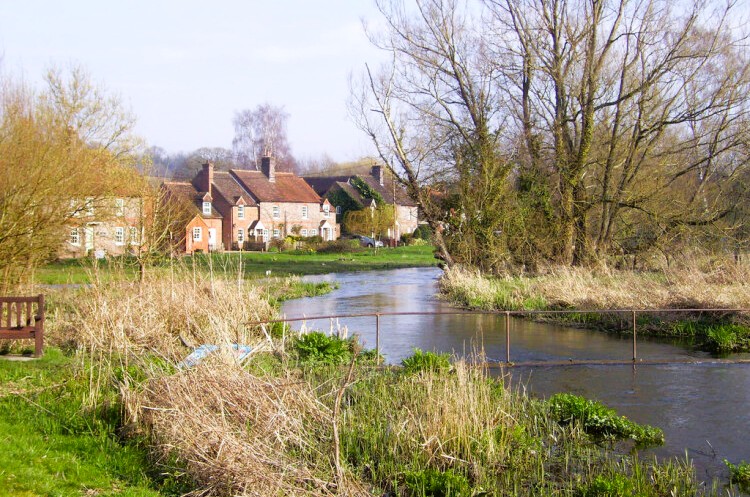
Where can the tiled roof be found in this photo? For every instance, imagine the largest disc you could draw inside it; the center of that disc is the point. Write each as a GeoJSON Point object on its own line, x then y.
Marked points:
{"type": "Point", "coordinates": [226, 186]}
{"type": "Point", "coordinates": [287, 187]}
{"type": "Point", "coordinates": [187, 192]}
{"type": "Point", "coordinates": [322, 184]}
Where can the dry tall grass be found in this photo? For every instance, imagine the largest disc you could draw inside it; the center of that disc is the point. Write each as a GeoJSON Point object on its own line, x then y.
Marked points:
{"type": "Point", "coordinates": [693, 285]}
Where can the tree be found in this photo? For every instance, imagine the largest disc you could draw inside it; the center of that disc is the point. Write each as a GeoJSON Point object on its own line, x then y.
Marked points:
{"type": "Point", "coordinates": [61, 151]}
{"type": "Point", "coordinates": [259, 132]}
{"type": "Point", "coordinates": [432, 115]}
{"type": "Point", "coordinates": [568, 130]}
{"type": "Point", "coordinates": [374, 221]}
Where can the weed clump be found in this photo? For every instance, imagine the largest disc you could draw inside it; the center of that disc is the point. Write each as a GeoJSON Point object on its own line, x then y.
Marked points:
{"type": "Point", "coordinates": [318, 348]}
{"type": "Point", "coordinates": [432, 483]}
{"type": "Point", "coordinates": [426, 361]}
{"type": "Point", "coordinates": [600, 421]}
{"type": "Point", "coordinates": [739, 473]}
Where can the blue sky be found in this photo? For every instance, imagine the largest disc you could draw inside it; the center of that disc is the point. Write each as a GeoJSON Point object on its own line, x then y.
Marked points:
{"type": "Point", "coordinates": [185, 67]}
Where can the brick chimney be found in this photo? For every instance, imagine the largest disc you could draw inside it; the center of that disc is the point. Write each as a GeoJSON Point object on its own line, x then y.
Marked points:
{"type": "Point", "coordinates": [268, 168]}
{"type": "Point", "coordinates": [377, 173]}
{"type": "Point", "coordinates": [205, 178]}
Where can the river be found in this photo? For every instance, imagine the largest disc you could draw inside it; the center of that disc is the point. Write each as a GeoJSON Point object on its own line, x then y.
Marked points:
{"type": "Point", "coordinates": [702, 408]}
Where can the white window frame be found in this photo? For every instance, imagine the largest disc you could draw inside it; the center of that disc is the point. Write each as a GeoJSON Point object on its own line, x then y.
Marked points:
{"type": "Point", "coordinates": [120, 207]}
{"type": "Point", "coordinates": [305, 210]}
{"type": "Point", "coordinates": [75, 237]}
{"type": "Point", "coordinates": [338, 210]}
{"type": "Point", "coordinates": [326, 210]}
{"type": "Point", "coordinates": [135, 238]}
{"type": "Point", "coordinates": [277, 233]}
{"type": "Point", "coordinates": [275, 212]}
{"type": "Point", "coordinates": [89, 206]}
{"type": "Point", "coordinates": [303, 233]}
{"type": "Point", "coordinates": [240, 236]}
{"type": "Point", "coordinates": [265, 235]}
{"type": "Point", "coordinates": [197, 234]}
{"type": "Point", "coordinates": [119, 235]}
{"type": "Point", "coordinates": [314, 232]}
{"type": "Point", "coordinates": [206, 208]}
{"type": "Point", "coordinates": [240, 212]}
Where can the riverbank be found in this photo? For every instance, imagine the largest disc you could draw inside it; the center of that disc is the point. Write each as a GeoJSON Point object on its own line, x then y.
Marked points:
{"type": "Point", "coordinates": [298, 417]}
{"type": "Point", "coordinates": [576, 289]}
{"type": "Point", "coordinates": [249, 264]}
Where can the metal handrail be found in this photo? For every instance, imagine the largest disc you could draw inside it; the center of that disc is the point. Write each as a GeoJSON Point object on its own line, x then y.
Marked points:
{"type": "Point", "coordinates": [508, 313]}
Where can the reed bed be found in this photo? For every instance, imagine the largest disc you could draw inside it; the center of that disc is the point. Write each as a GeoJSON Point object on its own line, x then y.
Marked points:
{"type": "Point", "coordinates": [688, 286]}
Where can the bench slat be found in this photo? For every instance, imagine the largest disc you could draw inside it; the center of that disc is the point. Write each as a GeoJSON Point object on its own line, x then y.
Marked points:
{"type": "Point", "coordinates": [25, 332]}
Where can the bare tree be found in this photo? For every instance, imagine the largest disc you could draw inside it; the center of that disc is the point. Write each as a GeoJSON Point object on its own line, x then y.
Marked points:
{"type": "Point", "coordinates": [262, 131]}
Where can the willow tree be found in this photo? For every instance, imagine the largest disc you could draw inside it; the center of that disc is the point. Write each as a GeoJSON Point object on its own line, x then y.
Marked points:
{"type": "Point", "coordinates": [374, 221]}
{"type": "Point", "coordinates": [61, 151]}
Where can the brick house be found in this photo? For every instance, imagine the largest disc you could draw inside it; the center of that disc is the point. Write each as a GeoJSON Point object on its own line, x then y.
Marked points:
{"type": "Point", "coordinates": [104, 226]}
{"type": "Point", "coordinates": [238, 207]}
{"type": "Point", "coordinates": [358, 191]}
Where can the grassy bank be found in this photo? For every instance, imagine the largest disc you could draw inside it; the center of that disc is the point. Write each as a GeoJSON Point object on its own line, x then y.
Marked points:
{"type": "Point", "coordinates": [304, 415]}
{"type": "Point", "coordinates": [720, 287]}
{"type": "Point", "coordinates": [251, 264]}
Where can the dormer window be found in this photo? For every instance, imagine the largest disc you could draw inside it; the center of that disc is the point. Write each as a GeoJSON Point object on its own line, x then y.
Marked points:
{"type": "Point", "coordinates": [206, 208]}
{"type": "Point", "coordinates": [240, 212]}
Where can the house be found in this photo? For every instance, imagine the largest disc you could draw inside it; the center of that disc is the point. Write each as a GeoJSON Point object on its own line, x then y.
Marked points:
{"type": "Point", "coordinates": [238, 208]}
{"type": "Point", "coordinates": [358, 191]}
{"type": "Point", "coordinates": [104, 225]}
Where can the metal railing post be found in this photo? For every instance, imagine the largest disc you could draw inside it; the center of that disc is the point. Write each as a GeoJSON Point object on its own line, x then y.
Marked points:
{"type": "Point", "coordinates": [377, 337]}
{"type": "Point", "coordinates": [507, 337]}
{"type": "Point", "coordinates": [635, 331]}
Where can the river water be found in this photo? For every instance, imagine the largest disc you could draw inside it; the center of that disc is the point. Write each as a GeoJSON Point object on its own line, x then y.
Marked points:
{"type": "Point", "coordinates": [704, 409]}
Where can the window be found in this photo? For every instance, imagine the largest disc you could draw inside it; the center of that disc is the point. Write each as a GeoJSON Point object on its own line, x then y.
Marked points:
{"type": "Point", "coordinates": [197, 234]}
{"type": "Point", "coordinates": [276, 233]}
{"type": "Point", "coordinates": [240, 236]}
{"type": "Point", "coordinates": [304, 212]}
{"type": "Point", "coordinates": [303, 232]}
{"type": "Point", "coordinates": [314, 232]}
{"type": "Point", "coordinates": [120, 206]}
{"type": "Point", "coordinates": [89, 206]}
{"type": "Point", "coordinates": [119, 235]}
{"type": "Point", "coordinates": [240, 212]}
{"type": "Point", "coordinates": [135, 239]}
{"type": "Point", "coordinates": [207, 208]}
{"type": "Point", "coordinates": [326, 210]}
{"type": "Point", "coordinates": [265, 235]}
{"type": "Point", "coordinates": [75, 237]}
{"type": "Point", "coordinates": [338, 210]}
{"type": "Point", "coordinates": [276, 212]}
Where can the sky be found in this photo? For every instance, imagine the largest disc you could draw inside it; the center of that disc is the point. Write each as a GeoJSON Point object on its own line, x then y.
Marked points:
{"type": "Point", "coordinates": [185, 67]}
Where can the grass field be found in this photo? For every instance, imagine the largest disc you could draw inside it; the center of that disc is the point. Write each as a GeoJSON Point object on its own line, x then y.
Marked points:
{"type": "Point", "coordinates": [253, 264]}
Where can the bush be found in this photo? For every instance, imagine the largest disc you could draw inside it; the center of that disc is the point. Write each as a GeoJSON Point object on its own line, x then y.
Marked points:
{"type": "Point", "coordinates": [423, 232]}
{"type": "Point", "coordinates": [608, 486]}
{"type": "Point", "coordinates": [739, 473]}
{"type": "Point", "coordinates": [600, 421]}
{"type": "Point", "coordinates": [338, 247]}
{"type": "Point", "coordinates": [426, 361]}
{"type": "Point", "coordinates": [433, 483]}
{"type": "Point", "coordinates": [319, 348]}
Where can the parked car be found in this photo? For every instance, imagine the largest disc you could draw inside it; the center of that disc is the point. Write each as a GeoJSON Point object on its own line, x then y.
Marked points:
{"type": "Point", "coordinates": [366, 241]}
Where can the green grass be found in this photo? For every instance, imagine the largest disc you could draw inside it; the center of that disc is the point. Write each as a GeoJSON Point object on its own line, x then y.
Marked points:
{"type": "Point", "coordinates": [51, 445]}
{"type": "Point", "coordinates": [254, 264]}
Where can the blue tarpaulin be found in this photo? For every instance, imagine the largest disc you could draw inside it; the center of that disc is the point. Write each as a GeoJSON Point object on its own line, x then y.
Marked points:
{"type": "Point", "coordinates": [240, 352]}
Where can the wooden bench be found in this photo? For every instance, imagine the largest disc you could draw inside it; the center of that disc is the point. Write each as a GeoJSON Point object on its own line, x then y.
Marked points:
{"type": "Point", "coordinates": [19, 320]}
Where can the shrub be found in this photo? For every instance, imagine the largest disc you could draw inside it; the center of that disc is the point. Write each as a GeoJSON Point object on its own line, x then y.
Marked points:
{"type": "Point", "coordinates": [608, 486]}
{"type": "Point", "coordinates": [319, 348]}
{"type": "Point", "coordinates": [600, 421]}
{"type": "Point", "coordinates": [423, 232]}
{"type": "Point", "coordinates": [426, 361]}
{"type": "Point", "coordinates": [433, 483]}
{"type": "Point", "coordinates": [338, 247]}
{"type": "Point", "coordinates": [739, 473]}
